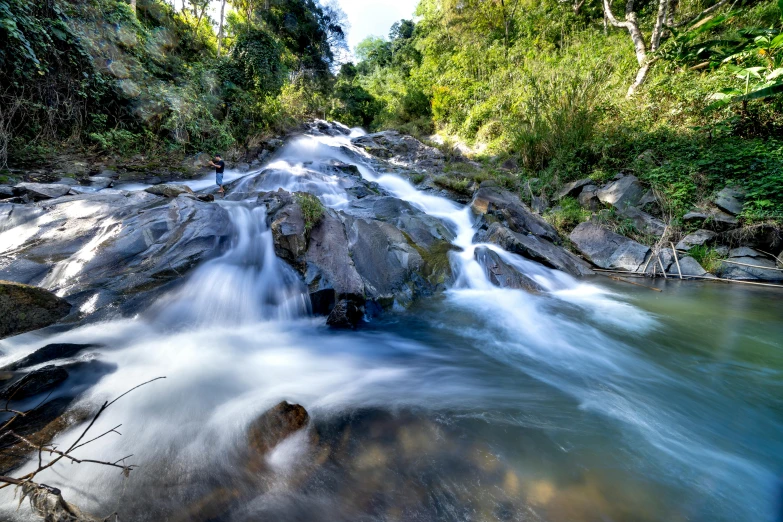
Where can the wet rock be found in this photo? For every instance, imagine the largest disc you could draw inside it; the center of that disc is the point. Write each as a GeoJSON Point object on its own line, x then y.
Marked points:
{"type": "Point", "coordinates": [35, 382]}
{"type": "Point", "coordinates": [689, 267]}
{"type": "Point", "coordinates": [698, 238]}
{"type": "Point", "coordinates": [501, 205]}
{"type": "Point", "coordinates": [345, 314]}
{"type": "Point", "coordinates": [288, 227]}
{"type": "Point", "coordinates": [572, 189]}
{"type": "Point", "coordinates": [205, 197]}
{"type": "Point", "coordinates": [622, 193]}
{"type": "Point", "coordinates": [48, 353]}
{"type": "Point", "coordinates": [169, 190]}
{"type": "Point", "coordinates": [535, 248]}
{"type": "Point", "coordinates": [502, 274]}
{"type": "Point", "coordinates": [343, 168]}
{"type": "Point", "coordinates": [754, 266]}
{"type": "Point", "coordinates": [99, 182]}
{"type": "Point", "coordinates": [109, 173]}
{"type": "Point", "coordinates": [644, 222]}
{"type": "Point", "coordinates": [401, 149]}
{"type": "Point", "coordinates": [331, 276]}
{"type": "Point", "coordinates": [731, 200]}
{"type": "Point", "coordinates": [24, 308]}
{"type": "Point", "coordinates": [153, 180]}
{"type": "Point", "coordinates": [607, 249]}
{"type": "Point", "coordinates": [274, 425]}
{"type": "Point", "coordinates": [588, 198]}
{"type": "Point", "coordinates": [41, 191]}
{"type": "Point", "coordinates": [67, 181]}
{"type": "Point", "coordinates": [6, 192]}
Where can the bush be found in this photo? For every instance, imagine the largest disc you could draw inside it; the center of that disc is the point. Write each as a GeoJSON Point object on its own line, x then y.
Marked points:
{"type": "Point", "coordinates": [312, 209]}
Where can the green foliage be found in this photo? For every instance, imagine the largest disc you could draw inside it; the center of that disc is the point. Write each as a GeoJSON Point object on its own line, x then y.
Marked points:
{"type": "Point", "coordinates": [458, 184]}
{"type": "Point", "coordinates": [312, 209]}
{"type": "Point", "coordinates": [568, 214]}
{"type": "Point", "coordinates": [709, 258]}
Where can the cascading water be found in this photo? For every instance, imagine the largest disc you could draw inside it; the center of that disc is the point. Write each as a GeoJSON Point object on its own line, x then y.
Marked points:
{"type": "Point", "coordinates": [577, 403]}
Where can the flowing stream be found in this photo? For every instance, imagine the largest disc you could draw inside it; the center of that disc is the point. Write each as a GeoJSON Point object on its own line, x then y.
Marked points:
{"type": "Point", "coordinates": [591, 401]}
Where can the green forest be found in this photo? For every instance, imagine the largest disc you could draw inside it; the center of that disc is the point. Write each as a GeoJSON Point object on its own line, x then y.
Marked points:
{"type": "Point", "coordinates": [688, 96]}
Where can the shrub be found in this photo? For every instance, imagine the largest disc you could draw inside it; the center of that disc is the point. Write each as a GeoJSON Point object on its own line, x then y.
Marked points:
{"type": "Point", "coordinates": [312, 209]}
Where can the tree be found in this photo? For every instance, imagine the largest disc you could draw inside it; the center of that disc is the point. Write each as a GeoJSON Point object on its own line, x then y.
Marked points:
{"type": "Point", "coordinates": [220, 30]}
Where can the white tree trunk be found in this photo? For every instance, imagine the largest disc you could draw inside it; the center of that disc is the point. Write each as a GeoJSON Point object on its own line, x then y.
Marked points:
{"type": "Point", "coordinates": [220, 31]}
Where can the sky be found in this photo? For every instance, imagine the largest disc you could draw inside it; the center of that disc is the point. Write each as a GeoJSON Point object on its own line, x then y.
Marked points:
{"type": "Point", "coordinates": [374, 17]}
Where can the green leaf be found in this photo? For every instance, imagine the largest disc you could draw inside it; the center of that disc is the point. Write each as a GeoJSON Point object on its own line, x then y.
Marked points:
{"type": "Point", "coordinates": [762, 93]}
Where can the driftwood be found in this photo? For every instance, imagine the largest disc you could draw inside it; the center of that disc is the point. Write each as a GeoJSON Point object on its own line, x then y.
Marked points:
{"type": "Point", "coordinates": [46, 501]}
{"type": "Point", "coordinates": [676, 259]}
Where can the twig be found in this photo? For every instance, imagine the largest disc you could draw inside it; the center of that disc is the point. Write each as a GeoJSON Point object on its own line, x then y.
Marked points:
{"type": "Point", "coordinates": [663, 270]}
{"type": "Point", "coordinates": [676, 260]}
{"type": "Point", "coordinates": [751, 266]}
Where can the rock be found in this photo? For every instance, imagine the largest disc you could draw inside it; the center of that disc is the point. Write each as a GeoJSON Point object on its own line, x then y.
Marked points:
{"type": "Point", "coordinates": [689, 267]}
{"type": "Point", "coordinates": [401, 149]}
{"type": "Point", "coordinates": [276, 424]}
{"type": "Point", "coordinates": [714, 219]}
{"type": "Point", "coordinates": [205, 197]}
{"type": "Point", "coordinates": [41, 191]}
{"type": "Point", "coordinates": [698, 238]}
{"type": "Point", "coordinates": [100, 182]}
{"type": "Point", "coordinates": [344, 168]}
{"type": "Point", "coordinates": [6, 192]}
{"type": "Point", "coordinates": [534, 248]}
{"type": "Point", "coordinates": [510, 164]}
{"type": "Point", "coordinates": [153, 180]}
{"type": "Point", "coordinates": [588, 198]}
{"type": "Point", "coordinates": [67, 181]}
{"type": "Point", "coordinates": [169, 190]}
{"type": "Point", "coordinates": [48, 353]}
{"type": "Point", "coordinates": [109, 173]}
{"type": "Point", "coordinates": [24, 308]}
{"type": "Point", "coordinates": [607, 249]}
{"type": "Point", "coordinates": [731, 200]}
{"type": "Point", "coordinates": [644, 222]}
{"type": "Point", "coordinates": [288, 226]}
{"type": "Point", "coordinates": [345, 314]}
{"type": "Point", "coordinates": [572, 189]}
{"type": "Point", "coordinates": [763, 268]}
{"type": "Point", "coordinates": [502, 274]}
{"type": "Point", "coordinates": [501, 205]}
{"type": "Point", "coordinates": [539, 204]}
{"type": "Point", "coordinates": [331, 276]}
{"type": "Point", "coordinates": [35, 382]}
{"type": "Point", "coordinates": [243, 167]}
{"type": "Point", "coordinates": [648, 199]}
{"type": "Point", "coordinates": [622, 193]}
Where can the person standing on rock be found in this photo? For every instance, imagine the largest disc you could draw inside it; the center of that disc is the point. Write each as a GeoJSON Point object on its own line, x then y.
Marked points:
{"type": "Point", "coordinates": [219, 165]}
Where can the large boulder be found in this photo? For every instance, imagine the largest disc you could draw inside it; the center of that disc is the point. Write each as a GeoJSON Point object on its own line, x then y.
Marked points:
{"type": "Point", "coordinates": [748, 264]}
{"type": "Point", "coordinates": [644, 222]}
{"type": "Point", "coordinates": [731, 200]}
{"type": "Point", "coordinates": [401, 149]}
{"type": "Point", "coordinates": [622, 193]}
{"type": "Point", "coordinates": [607, 249]}
{"type": "Point", "coordinates": [287, 222]}
{"type": "Point", "coordinates": [496, 204]}
{"type": "Point", "coordinates": [24, 308]}
{"type": "Point", "coordinates": [688, 267]}
{"type": "Point", "coordinates": [534, 248]}
{"type": "Point", "coordinates": [41, 191]}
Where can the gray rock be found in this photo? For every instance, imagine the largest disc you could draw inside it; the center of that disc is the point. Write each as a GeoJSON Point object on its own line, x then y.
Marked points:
{"type": "Point", "coordinates": [762, 269]}
{"type": "Point", "coordinates": [100, 182]}
{"type": "Point", "coordinates": [689, 267]}
{"type": "Point", "coordinates": [502, 274]}
{"type": "Point", "coordinates": [287, 223]}
{"type": "Point", "coordinates": [24, 308]}
{"type": "Point", "coordinates": [41, 191]}
{"type": "Point", "coordinates": [243, 167]}
{"type": "Point", "coordinates": [402, 149]}
{"type": "Point", "coordinates": [644, 222]}
{"type": "Point", "coordinates": [35, 382]}
{"type": "Point", "coordinates": [607, 249]}
{"type": "Point", "coordinates": [745, 252]}
{"type": "Point", "coordinates": [539, 204]}
{"type": "Point", "coordinates": [588, 198]}
{"type": "Point", "coordinates": [698, 238]}
{"type": "Point", "coordinates": [648, 199]}
{"type": "Point", "coordinates": [6, 192]}
{"type": "Point", "coordinates": [714, 219]}
{"type": "Point", "coordinates": [67, 181]}
{"type": "Point", "coordinates": [535, 248]}
{"type": "Point", "coordinates": [496, 204]}
{"type": "Point", "coordinates": [731, 200]}
{"type": "Point", "coordinates": [345, 314]}
{"type": "Point", "coordinates": [169, 190]}
{"type": "Point", "coordinates": [109, 173]}
{"type": "Point", "coordinates": [622, 193]}
{"type": "Point", "coordinates": [572, 189]}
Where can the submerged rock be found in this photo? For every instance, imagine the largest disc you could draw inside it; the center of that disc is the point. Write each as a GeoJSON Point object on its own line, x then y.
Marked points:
{"type": "Point", "coordinates": [502, 274]}
{"type": "Point", "coordinates": [24, 308]}
{"type": "Point", "coordinates": [48, 353]}
{"type": "Point", "coordinates": [35, 382]}
{"type": "Point", "coordinates": [607, 249]}
{"type": "Point", "coordinates": [274, 425]}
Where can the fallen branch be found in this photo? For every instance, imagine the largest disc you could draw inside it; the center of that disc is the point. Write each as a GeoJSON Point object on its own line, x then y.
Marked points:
{"type": "Point", "coordinates": [676, 260]}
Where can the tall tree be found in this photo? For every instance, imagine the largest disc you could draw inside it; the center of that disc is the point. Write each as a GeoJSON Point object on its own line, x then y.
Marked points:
{"type": "Point", "coordinates": [220, 29]}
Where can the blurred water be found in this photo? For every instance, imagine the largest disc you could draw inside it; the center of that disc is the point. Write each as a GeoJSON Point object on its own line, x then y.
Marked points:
{"type": "Point", "coordinates": [588, 401]}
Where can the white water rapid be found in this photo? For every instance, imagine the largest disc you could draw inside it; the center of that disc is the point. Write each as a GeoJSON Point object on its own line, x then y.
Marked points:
{"type": "Point", "coordinates": [579, 403]}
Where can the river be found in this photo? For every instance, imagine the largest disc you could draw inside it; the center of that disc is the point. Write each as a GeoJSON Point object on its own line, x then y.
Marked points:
{"type": "Point", "coordinates": [591, 401]}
